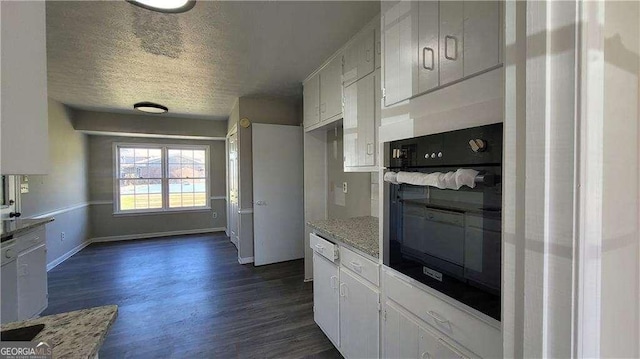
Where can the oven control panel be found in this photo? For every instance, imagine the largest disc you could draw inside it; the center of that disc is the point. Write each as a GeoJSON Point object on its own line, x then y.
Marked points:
{"type": "Point", "coordinates": [472, 146]}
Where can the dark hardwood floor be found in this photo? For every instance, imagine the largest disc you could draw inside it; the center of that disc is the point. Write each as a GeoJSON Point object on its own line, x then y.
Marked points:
{"type": "Point", "coordinates": [187, 297]}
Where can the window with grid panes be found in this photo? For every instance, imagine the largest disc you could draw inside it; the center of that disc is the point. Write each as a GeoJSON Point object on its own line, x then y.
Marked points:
{"type": "Point", "coordinates": [154, 178]}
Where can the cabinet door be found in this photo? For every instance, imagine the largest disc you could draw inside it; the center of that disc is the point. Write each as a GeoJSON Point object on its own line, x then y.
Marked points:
{"type": "Point", "coordinates": [311, 101]}
{"type": "Point", "coordinates": [32, 282]}
{"type": "Point", "coordinates": [400, 334]}
{"type": "Point", "coordinates": [359, 58]}
{"type": "Point", "coordinates": [451, 41]}
{"type": "Point", "coordinates": [428, 50]}
{"type": "Point", "coordinates": [399, 28]}
{"type": "Point", "coordinates": [359, 122]}
{"type": "Point", "coordinates": [24, 128]}
{"type": "Point", "coordinates": [481, 35]}
{"type": "Point", "coordinates": [377, 47]}
{"type": "Point", "coordinates": [366, 120]}
{"type": "Point", "coordinates": [359, 317]}
{"type": "Point", "coordinates": [331, 89]}
{"type": "Point", "coordinates": [350, 125]}
{"type": "Point", "coordinates": [9, 301]}
{"type": "Point", "coordinates": [326, 300]}
{"type": "Point", "coordinates": [432, 347]}
{"type": "Point", "coordinates": [377, 108]}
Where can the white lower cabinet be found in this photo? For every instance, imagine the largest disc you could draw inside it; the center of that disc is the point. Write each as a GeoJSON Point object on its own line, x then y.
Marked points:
{"type": "Point", "coordinates": [32, 281]}
{"type": "Point", "coordinates": [9, 291]}
{"type": "Point", "coordinates": [359, 317]}
{"type": "Point", "coordinates": [478, 337]}
{"type": "Point", "coordinates": [405, 337]}
{"type": "Point", "coordinates": [326, 299]}
{"type": "Point", "coordinates": [346, 305]}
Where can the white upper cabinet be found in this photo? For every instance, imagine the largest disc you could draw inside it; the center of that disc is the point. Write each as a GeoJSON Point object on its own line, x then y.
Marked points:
{"type": "Point", "coordinates": [399, 51]}
{"type": "Point", "coordinates": [331, 89]}
{"type": "Point", "coordinates": [359, 123]}
{"type": "Point", "coordinates": [378, 45]}
{"type": "Point", "coordinates": [359, 57]}
{"type": "Point", "coordinates": [24, 127]}
{"type": "Point", "coordinates": [451, 41]}
{"type": "Point", "coordinates": [430, 44]}
{"type": "Point", "coordinates": [359, 317]}
{"type": "Point", "coordinates": [428, 49]}
{"type": "Point", "coordinates": [482, 40]}
{"type": "Point", "coordinates": [311, 101]}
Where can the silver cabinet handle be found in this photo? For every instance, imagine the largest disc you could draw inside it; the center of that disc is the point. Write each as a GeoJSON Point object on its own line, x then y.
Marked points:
{"type": "Point", "coordinates": [426, 355]}
{"type": "Point", "coordinates": [438, 318]}
{"type": "Point", "coordinates": [424, 58]}
{"type": "Point", "coordinates": [368, 55]}
{"type": "Point", "coordinates": [334, 282]}
{"type": "Point", "coordinates": [356, 266]}
{"type": "Point", "coordinates": [446, 47]}
{"type": "Point", "coordinates": [343, 293]}
{"type": "Point", "coordinates": [369, 148]}
{"type": "Point", "coordinates": [319, 248]}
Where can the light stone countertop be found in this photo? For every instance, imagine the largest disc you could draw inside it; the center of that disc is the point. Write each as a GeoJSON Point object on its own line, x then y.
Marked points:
{"type": "Point", "coordinates": [77, 334]}
{"type": "Point", "coordinates": [16, 226]}
{"type": "Point", "coordinates": [360, 233]}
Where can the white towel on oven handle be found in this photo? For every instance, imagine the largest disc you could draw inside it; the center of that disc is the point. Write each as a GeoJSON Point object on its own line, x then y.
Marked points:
{"type": "Point", "coordinates": [435, 179]}
{"type": "Point", "coordinates": [450, 180]}
{"type": "Point", "coordinates": [391, 177]}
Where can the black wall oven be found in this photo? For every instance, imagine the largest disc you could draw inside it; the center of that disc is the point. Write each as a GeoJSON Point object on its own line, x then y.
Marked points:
{"type": "Point", "coordinates": [444, 235]}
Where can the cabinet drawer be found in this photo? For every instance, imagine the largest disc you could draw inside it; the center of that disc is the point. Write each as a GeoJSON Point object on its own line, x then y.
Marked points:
{"type": "Point", "coordinates": [469, 331]}
{"type": "Point", "coordinates": [30, 239]}
{"type": "Point", "coordinates": [323, 247]}
{"type": "Point", "coordinates": [368, 269]}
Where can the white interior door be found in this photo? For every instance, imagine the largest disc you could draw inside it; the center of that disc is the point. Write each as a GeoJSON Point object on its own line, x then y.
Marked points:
{"type": "Point", "coordinates": [278, 213]}
{"type": "Point", "coordinates": [232, 172]}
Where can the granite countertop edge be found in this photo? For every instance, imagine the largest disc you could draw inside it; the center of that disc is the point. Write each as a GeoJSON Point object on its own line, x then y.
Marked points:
{"type": "Point", "coordinates": [345, 230]}
{"type": "Point", "coordinates": [64, 326]}
{"type": "Point", "coordinates": [24, 225]}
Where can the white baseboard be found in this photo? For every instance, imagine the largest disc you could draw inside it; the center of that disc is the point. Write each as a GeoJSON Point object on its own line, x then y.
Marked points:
{"type": "Point", "coordinates": [245, 260]}
{"type": "Point", "coordinates": [67, 255]}
{"type": "Point", "coordinates": [157, 234]}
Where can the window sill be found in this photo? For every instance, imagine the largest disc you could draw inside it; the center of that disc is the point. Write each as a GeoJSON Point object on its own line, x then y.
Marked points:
{"type": "Point", "coordinates": [161, 212]}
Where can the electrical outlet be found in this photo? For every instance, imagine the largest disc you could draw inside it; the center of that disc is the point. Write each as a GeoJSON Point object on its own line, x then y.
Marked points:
{"type": "Point", "coordinates": [62, 236]}
{"type": "Point", "coordinates": [215, 214]}
{"type": "Point", "coordinates": [344, 187]}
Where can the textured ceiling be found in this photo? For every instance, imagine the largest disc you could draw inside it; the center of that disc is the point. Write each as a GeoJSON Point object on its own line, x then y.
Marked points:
{"type": "Point", "coordinates": [109, 55]}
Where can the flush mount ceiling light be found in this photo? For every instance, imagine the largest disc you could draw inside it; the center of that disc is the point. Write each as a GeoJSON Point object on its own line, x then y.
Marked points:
{"type": "Point", "coordinates": [169, 6]}
{"type": "Point", "coordinates": [150, 107]}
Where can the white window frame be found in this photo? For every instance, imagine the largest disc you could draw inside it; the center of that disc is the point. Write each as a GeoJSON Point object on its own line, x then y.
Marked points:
{"type": "Point", "coordinates": [165, 178]}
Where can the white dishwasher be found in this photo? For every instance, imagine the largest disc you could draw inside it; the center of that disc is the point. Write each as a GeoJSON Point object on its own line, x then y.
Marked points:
{"type": "Point", "coordinates": [9, 282]}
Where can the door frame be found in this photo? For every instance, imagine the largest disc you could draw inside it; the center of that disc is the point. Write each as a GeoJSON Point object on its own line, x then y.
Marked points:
{"type": "Point", "coordinates": [232, 131]}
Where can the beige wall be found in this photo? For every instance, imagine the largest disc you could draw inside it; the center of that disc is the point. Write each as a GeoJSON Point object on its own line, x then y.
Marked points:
{"type": "Point", "coordinates": [105, 224]}
{"type": "Point", "coordinates": [64, 188]}
{"type": "Point", "coordinates": [147, 124]}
